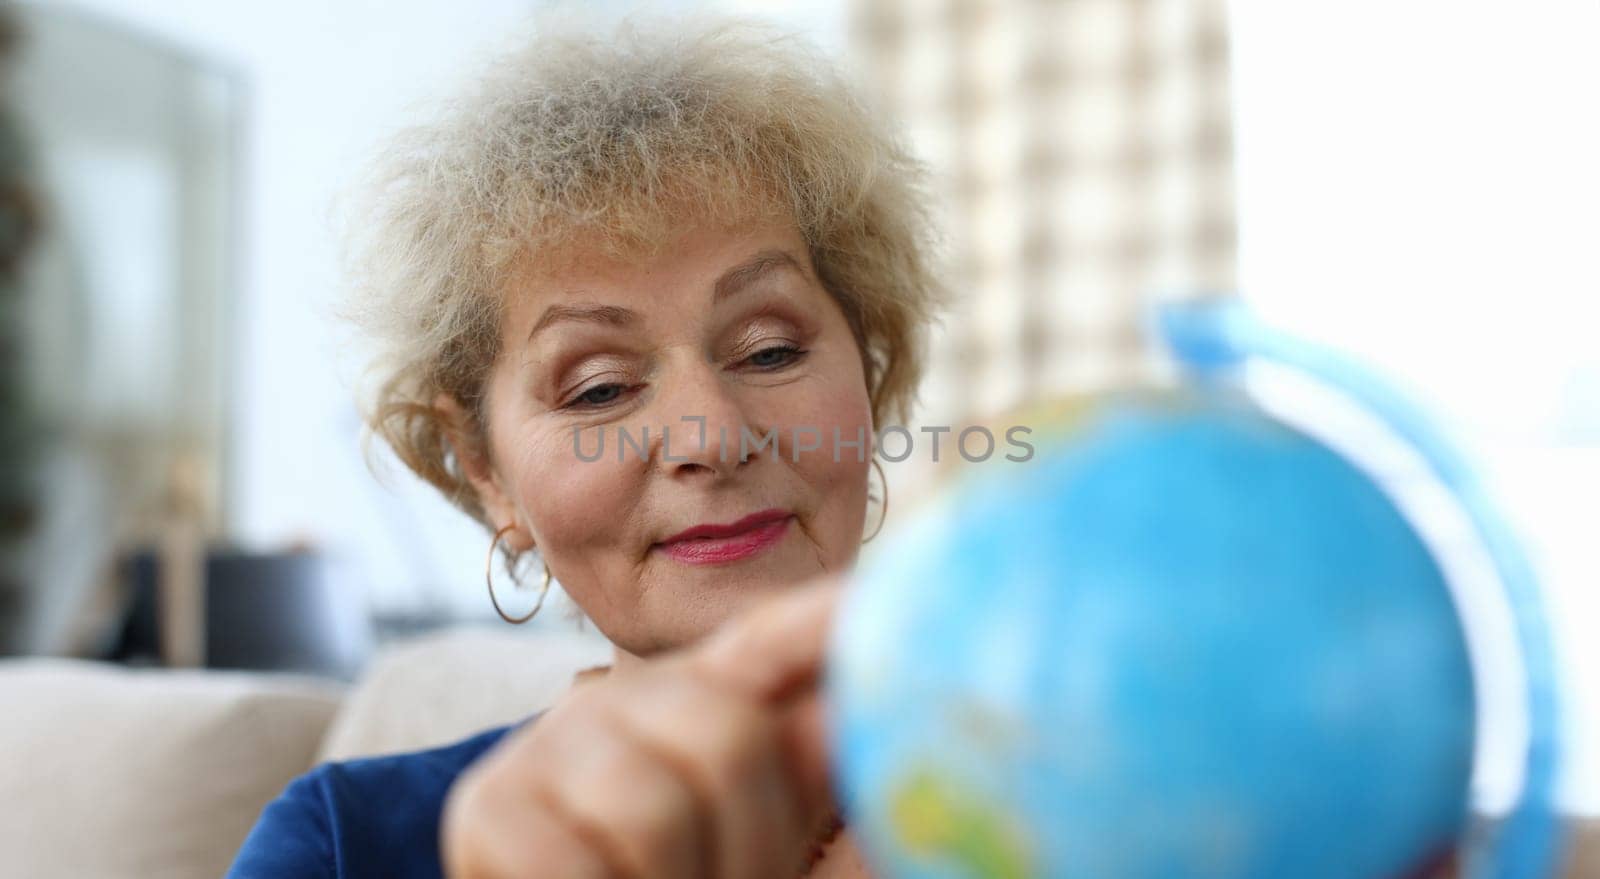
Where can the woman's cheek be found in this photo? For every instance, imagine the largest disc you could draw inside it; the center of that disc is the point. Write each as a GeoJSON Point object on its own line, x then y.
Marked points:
{"type": "Point", "coordinates": [836, 473]}
{"type": "Point", "coordinates": [570, 500]}
{"type": "Point", "coordinates": [833, 395]}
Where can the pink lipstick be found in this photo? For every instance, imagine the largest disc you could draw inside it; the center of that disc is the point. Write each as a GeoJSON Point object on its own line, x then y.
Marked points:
{"type": "Point", "coordinates": [714, 544]}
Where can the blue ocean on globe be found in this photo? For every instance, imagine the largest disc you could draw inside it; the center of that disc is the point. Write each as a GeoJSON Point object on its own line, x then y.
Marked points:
{"type": "Point", "coordinates": [1184, 640]}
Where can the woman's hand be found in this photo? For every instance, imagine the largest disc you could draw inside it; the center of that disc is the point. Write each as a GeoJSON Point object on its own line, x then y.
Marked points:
{"type": "Point", "coordinates": [705, 762]}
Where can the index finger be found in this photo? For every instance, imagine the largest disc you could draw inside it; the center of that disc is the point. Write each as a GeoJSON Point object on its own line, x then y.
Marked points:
{"type": "Point", "coordinates": [777, 649]}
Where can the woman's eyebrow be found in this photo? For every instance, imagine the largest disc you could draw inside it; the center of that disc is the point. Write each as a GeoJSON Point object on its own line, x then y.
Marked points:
{"type": "Point", "coordinates": [751, 270]}
{"type": "Point", "coordinates": [610, 315]}
{"type": "Point", "coordinates": [732, 281]}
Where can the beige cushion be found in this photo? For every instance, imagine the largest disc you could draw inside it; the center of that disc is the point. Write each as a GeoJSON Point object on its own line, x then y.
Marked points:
{"type": "Point", "coordinates": [116, 772]}
{"type": "Point", "coordinates": [445, 686]}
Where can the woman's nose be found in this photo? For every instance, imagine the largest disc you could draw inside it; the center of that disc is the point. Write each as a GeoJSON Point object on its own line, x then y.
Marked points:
{"type": "Point", "coordinates": [706, 425]}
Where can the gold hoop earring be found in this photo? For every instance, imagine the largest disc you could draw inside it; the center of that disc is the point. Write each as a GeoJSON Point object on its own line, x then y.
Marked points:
{"type": "Point", "coordinates": [885, 514]}
{"type": "Point", "coordinates": [488, 579]}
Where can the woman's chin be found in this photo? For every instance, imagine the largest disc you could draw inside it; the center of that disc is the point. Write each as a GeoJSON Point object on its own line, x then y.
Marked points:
{"type": "Point", "coordinates": [703, 596]}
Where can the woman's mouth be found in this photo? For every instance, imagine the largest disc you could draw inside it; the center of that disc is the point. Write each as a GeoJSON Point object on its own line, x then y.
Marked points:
{"type": "Point", "coordinates": [715, 544]}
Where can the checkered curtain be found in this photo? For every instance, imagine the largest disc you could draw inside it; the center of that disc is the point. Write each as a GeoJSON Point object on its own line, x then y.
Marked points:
{"type": "Point", "coordinates": [1082, 151]}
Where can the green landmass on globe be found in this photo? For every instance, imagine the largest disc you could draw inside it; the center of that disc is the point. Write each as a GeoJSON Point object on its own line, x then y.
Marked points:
{"type": "Point", "coordinates": [934, 818]}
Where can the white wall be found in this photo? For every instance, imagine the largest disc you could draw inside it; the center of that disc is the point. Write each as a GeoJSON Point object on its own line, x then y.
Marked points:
{"type": "Point", "coordinates": [1418, 185]}
{"type": "Point", "coordinates": [325, 80]}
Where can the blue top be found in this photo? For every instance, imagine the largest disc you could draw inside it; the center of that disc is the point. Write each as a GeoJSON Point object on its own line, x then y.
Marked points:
{"type": "Point", "coordinates": [372, 817]}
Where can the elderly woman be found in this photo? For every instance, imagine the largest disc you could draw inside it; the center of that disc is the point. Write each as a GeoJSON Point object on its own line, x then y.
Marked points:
{"type": "Point", "coordinates": [620, 291]}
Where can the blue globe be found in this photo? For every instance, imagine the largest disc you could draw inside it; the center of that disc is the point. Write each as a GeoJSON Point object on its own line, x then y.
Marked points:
{"type": "Point", "coordinates": [1184, 640]}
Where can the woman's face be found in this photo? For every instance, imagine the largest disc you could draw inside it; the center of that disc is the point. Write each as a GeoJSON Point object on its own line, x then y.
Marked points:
{"type": "Point", "coordinates": [712, 349]}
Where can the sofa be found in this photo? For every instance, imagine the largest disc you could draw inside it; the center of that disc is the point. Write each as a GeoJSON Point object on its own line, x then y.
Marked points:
{"type": "Point", "coordinates": [111, 771]}
{"type": "Point", "coordinates": [117, 772]}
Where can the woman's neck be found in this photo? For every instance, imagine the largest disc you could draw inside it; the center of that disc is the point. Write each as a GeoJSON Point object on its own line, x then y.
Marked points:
{"type": "Point", "coordinates": [622, 661]}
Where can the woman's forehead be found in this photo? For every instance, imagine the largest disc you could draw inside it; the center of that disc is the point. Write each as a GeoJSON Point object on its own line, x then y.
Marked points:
{"type": "Point", "coordinates": [715, 260]}
{"type": "Point", "coordinates": [634, 226]}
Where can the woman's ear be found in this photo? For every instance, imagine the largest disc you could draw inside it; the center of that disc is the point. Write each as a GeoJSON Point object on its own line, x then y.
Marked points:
{"type": "Point", "coordinates": [470, 446]}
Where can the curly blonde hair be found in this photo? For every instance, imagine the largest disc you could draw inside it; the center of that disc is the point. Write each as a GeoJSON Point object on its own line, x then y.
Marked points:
{"type": "Point", "coordinates": [611, 142]}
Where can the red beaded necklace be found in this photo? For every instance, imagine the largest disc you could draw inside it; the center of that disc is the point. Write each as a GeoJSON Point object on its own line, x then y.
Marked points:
{"type": "Point", "coordinates": [830, 832]}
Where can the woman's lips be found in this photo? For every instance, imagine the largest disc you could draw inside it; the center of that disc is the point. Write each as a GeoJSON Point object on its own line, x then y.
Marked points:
{"type": "Point", "coordinates": [728, 547]}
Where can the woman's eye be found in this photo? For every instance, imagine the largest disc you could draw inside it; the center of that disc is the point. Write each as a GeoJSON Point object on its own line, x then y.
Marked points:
{"type": "Point", "coordinates": [777, 355]}
{"type": "Point", "coordinates": [599, 395]}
